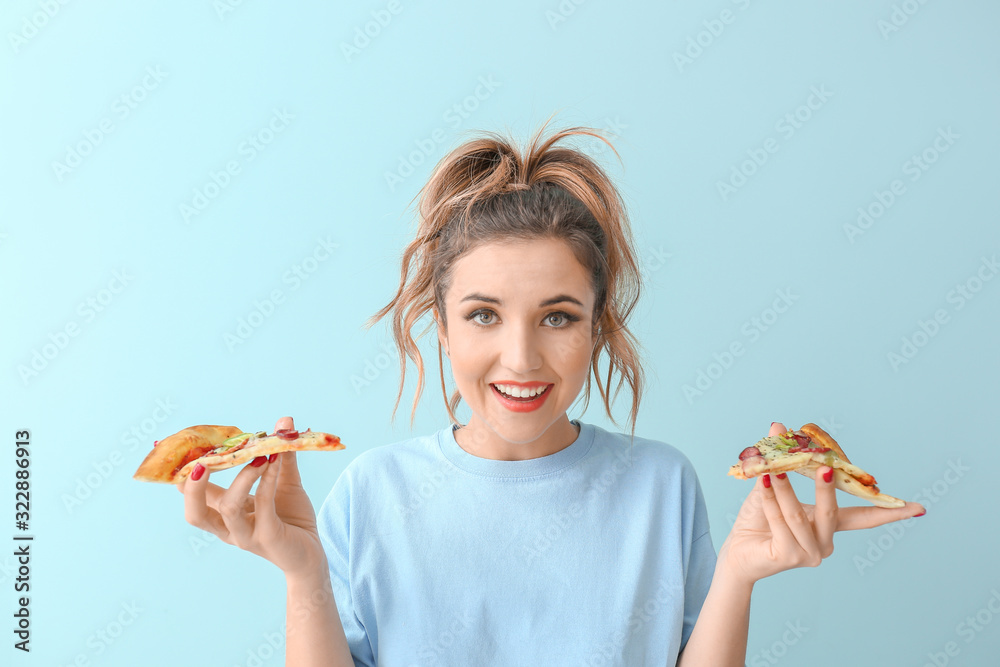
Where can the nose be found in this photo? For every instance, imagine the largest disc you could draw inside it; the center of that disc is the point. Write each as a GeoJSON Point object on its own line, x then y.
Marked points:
{"type": "Point", "coordinates": [521, 350]}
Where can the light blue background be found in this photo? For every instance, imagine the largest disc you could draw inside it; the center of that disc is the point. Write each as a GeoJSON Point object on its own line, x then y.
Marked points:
{"type": "Point", "coordinates": [713, 264]}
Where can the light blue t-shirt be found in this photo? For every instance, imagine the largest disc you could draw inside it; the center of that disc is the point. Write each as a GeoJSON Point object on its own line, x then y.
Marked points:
{"type": "Point", "coordinates": [598, 554]}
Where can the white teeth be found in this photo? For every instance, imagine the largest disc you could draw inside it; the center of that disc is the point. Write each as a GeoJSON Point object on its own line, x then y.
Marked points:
{"type": "Point", "coordinates": [519, 392]}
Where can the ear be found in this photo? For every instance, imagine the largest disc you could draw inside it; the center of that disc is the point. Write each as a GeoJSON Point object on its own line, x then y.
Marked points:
{"type": "Point", "coordinates": [441, 332]}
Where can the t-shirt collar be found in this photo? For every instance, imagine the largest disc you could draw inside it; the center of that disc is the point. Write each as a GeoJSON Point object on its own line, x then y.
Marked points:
{"type": "Point", "coordinates": [542, 465]}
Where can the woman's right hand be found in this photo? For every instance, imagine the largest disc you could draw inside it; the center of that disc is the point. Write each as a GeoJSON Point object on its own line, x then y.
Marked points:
{"type": "Point", "coordinates": [277, 523]}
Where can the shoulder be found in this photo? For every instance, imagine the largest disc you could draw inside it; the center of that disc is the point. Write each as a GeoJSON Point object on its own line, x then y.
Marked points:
{"type": "Point", "coordinates": [393, 462]}
{"type": "Point", "coordinates": [649, 458]}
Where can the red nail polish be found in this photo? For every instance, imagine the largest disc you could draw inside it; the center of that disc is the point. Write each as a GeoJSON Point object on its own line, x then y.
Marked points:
{"type": "Point", "coordinates": [197, 472]}
{"type": "Point", "coordinates": [767, 481]}
{"type": "Point", "coordinates": [272, 458]}
{"type": "Point", "coordinates": [155, 443]}
{"type": "Point", "coordinates": [773, 423]}
{"type": "Point", "coordinates": [259, 461]}
{"type": "Point", "coordinates": [828, 475]}
{"type": "Point", "coordinates": [921, 514]}
{"type": "Point", "coordinates": [782, 475]}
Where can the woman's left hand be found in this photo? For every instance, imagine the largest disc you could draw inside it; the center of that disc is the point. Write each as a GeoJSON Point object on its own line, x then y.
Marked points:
{"type": "Point", "coordinates": [774, 532]}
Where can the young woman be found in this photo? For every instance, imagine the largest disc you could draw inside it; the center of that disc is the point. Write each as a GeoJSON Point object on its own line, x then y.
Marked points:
{"type": "Point", "coordinates": [522, 536]}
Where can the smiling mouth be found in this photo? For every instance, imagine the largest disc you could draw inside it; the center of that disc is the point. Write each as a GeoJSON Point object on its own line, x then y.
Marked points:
{"type": "Point", "coordinates": [527, 397]}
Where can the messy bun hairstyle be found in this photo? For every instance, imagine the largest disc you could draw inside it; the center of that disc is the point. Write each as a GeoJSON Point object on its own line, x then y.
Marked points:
{"type": "Point", "coordinates": [487, 190]}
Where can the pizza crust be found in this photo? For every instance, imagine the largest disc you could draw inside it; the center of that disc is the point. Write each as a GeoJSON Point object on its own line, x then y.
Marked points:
{"type": "Point", "coordinates": [163, 463]}
{"type": "Point", "coordinates": [846, 483]}
{"type": "Point", "coordinates": [159, 464]}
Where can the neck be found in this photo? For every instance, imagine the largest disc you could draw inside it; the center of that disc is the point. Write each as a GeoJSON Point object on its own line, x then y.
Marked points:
{"type": "Point", "coordinates": [481, 439]}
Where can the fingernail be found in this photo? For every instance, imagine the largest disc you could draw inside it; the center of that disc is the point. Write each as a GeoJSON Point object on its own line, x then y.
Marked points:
{"type": "Point", "coordinates": [773, 423]}
{"type": "Point", "coordinates": [272, 458]}
{"type": "Point", "coordinates": [197, 472]}
{"type": "Point", "coordinates": [828, 475]}
{"type": "Point", "coordinates": [921, 514]}
{"type": "Point", "coordinates": [259, 461]}
{"type": "Point", "coordinates": [782, 475]}
{"type": "Point", "coordinates": [155, 443]}
{"type": "Point", "coordinates": [767, 481]}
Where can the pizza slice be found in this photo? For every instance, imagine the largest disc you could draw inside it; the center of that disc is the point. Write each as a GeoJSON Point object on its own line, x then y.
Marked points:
{"type": "Point", "coordinates": [221, 447]}
{"type": "Point", "coordinates": [805, 451]}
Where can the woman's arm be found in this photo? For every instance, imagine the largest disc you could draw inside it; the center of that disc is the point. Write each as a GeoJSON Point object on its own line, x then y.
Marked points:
{"type": "Point", "coordinates": [314, 635]}
{"type": "Point", "coordinates": [719, 638]}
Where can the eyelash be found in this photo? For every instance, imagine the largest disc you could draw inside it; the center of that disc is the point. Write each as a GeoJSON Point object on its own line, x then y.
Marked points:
{"type": "Point", "coordinates": [570, 318]}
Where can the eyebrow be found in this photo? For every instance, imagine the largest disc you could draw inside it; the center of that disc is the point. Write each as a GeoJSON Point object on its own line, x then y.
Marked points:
{"type": "Point", "coordinates": [562, 298]}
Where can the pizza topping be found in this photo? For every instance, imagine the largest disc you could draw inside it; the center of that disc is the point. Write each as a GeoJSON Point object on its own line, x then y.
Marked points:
{"type": "Point", "coordinates": [813, 449]}
{"type": "Point", "coordinates": [801, 438]}
{"type": "Point", "coordinates": [191, 455]}
{"type": "Point", "coordinates": [261, 434]}
{"type": "Point", "coordinates": [287, 433]}
{"type": "Point", "coordinates": [155, 443]}
{"type": "Point", "coordinates": [748, 452]}
{"type": "Point", "coordinates": [787, 441]}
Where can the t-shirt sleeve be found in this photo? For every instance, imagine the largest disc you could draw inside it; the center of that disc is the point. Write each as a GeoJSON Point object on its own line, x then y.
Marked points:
{"type": "Point", "coordinates": [701, 559]}
{"type": "Point", "coordinates": [334, 524]}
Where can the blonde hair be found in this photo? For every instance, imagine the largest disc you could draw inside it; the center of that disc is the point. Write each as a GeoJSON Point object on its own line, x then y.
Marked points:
{"type": "Point", "coordinates": [485, 191]}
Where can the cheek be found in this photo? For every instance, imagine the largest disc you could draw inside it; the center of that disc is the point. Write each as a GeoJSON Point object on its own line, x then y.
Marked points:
{"type": "Point", "coordinates": [467, 359]}
{"type": "Point", "coordinates": [572, 353]}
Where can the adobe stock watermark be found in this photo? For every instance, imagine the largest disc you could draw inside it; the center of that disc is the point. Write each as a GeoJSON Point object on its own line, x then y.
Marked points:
{"type": "Point", "coordinates": [370, 30]}
{"type": "Point", "coordinates": [713, 29]}
{"type": "Point", "coordinates": [891, 533]}
{"type": "Point", "coordinates": [225, 7]}
{"type": "Point", "coordinates": [899, 17]}
{"type": "Point", "coordinates": [971, 627]}
{"type": "Point", "coordinates": [562, 12]}
{"type": "Point", "coordinates": [786, 126]}
{"type": "Point", "coordinates": [961, 294]}
{"type": "Point", "coordinates": [373, 367]}
{"type": "Point", "coordinates": [915, 166]}
{"type": "Point", "coordinates": [612, 129]}
{"type": "Point", "coordinates": [435, 651]}
{"type": "Point", "coordinates": [123, 107]}
{"type": "Point", "coordinates": [246, 152]}
{"type": "Point", "coordinates": [544, 539]}
{"type": "Point", "coordinates": [33, 23]}
{"type": "Point", "coordinates": [270, 645]}
{"type": "Point", "coordinates": [773, 654]}
{"type": "Point", "coordinates": [264, 309]}
{"type": "Point", "coordinates": [139, 436]}
{"type": "Point", "coordinates": [652, 261]}
{"type": "Point", "coordinates": [610, 651]}
{"type": "Point", "coordinates": [88, 310]}
{"type": "Point", "coordinates": [752, 330]}
{"type": "Point", "coordinates": [99, 642]}
{"type": "Point", "coordinates": [453, 117]}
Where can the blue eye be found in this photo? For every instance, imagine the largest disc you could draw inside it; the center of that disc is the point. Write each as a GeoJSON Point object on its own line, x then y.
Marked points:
{"type": "Point", "coordinates": [565, 318]}
{"type": "Point", "coordinates": [474, 317]}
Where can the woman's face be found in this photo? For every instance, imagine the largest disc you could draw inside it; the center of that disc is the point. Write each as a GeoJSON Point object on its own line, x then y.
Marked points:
{"type": "Point", "coordinates": [519, 321]}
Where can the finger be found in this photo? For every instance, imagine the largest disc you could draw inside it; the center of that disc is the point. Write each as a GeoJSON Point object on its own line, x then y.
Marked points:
{"type": "Point", "coordinates": [795, 517]}
{"type": "Point", "coordinates": [825, 516]}
{"type": "Point", "coordinates": [781, 535]}
{"type": "Point", "coordinates": [777, 428]}
{"type": "Point", "coordinates": [859, 518]}
{"type": "Point", "coordinates": [196, 511]}
{"type": "Point", "coordinates": [212, 492]}
{"type": "Point", "coordinates": [265, 516]}
{"type": "Point", "coordinates": [233, 505]}
{"type": "Point", "coordinates": [284, 422]}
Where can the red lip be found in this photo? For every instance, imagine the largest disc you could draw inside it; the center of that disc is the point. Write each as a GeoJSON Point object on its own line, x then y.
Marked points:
{"type": "Point", "coordinates": [522, 405]}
